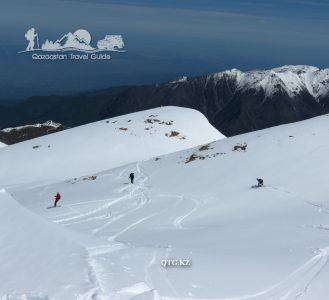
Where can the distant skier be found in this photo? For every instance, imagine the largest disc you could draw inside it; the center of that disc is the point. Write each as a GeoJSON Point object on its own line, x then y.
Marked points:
{"type": "Point", "coordinates": [260, 182]}
{"type": "Point", "coordinates": [132, 177]}
{"type": "Point", "coordinates": [57, 198]}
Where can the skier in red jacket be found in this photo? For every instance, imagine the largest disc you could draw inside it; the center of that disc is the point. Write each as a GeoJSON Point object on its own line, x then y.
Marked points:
{"type": "Point", "coordinates": [57, 198]}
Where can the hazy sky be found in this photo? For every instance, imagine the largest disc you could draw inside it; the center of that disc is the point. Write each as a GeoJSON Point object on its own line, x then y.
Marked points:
{"type": "Point", "coordinates": [164, 39]}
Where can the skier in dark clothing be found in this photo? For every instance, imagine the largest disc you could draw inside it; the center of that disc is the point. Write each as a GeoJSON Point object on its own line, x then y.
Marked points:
{"type": "Point", "coordinates": [131, 177]}
{"type": "Point", "coordinates": [57, 198]}
{"type": "Point", "coordinates": [260, 182]}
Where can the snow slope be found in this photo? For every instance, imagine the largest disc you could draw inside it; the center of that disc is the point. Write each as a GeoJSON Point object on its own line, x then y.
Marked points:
{"type": "Point", "coordinates": [2, 145]}
{"type": "Point", "coordinates": [105, 144]}
{"type": "Point", "coordinates": [37, 257]}
{"type": "Point", "coordinates": [243, 243]}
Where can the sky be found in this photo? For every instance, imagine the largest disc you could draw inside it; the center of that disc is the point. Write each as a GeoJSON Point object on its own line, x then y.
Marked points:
{"type": "Point", "coordinates": [164, 39]}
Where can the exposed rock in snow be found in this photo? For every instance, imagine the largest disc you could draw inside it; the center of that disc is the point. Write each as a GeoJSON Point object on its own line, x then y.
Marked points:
{"type": "Point", "coordinates": [105, 144]}
{"type": "Point", "coordinates": [196, 204]}
{"type": "Point", "coordinates": [18, 134]}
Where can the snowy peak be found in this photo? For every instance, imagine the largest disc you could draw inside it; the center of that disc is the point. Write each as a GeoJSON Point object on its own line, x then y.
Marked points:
{"type": "Point", "coordinates": [298, 69]}
{"type": "Point", "coordinates": [318, 83]}
{"type": "Point", "coordinates": [290, 79]}
{"type": "Point", "coordinates": [179, 80]}
{"type": "Point", "coordinates": [49, 123]}
{"type": "Point", "coordinates": [233, 76]}
{"type": "Point", "coordinates": [233, 101]}
{"type": "Point", "coordinates": [237, 102]}
{"type": "Point", "coordinates": [233, 73]}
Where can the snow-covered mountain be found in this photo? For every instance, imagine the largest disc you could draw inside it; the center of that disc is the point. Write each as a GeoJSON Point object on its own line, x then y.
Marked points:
{"type": "Point", "coordinates": [292, 80]}
{"type": "Point", "coordinates": [194, 205]}
{"type": "Point", "coordinates": [13, 135]}
{"type": "Point", "coordinates": [105, 144]}
{"type": "Point", "coordinates": [233, 101]}
{"type": "Point", "coordinates": [237, 102]}
{"type": "Point", "coordinates": [49, 123]}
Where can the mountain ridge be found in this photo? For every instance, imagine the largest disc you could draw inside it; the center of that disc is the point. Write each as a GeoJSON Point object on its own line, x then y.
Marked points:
{"type": "Point", "coordinates": [13, 135]}
{"type": "Point", "coordinates": [234, 102]}
{"type": "Point", "coordinates": [293, 77]}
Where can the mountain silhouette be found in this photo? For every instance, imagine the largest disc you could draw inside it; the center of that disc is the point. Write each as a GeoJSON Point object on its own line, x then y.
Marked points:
{"type": "Point", "coordinates": [68, 41]}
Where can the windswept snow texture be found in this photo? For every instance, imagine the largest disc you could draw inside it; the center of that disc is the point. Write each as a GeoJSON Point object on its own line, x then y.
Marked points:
{"type": "Point", "coordinates": [264, 243]}
{"type": "Point", "coordinates": [104, 145]}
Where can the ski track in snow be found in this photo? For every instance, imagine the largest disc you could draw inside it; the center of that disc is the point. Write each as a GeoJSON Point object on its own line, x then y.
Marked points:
{"type": "Point", "coordinates": [321, 207]}
{"type": "Point", "coordinates": [179, 220]}
{"type": "Point", "coordinates": [151, 266]}
{"type": "Point", "coordinates": [118, 269]}
{"type": "Point", "coordinates": [152, 270]}
{"type": "Point", "coordinates": [109, 202]}
{"type": "Point", "coordinates": [137, 192]}
{"type": "Point", "coordinates": [295, 286]}
{"type": "Point", "coordinates": [97, 273]}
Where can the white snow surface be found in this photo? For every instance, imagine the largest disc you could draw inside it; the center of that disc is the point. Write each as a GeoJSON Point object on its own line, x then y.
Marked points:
{"type": "Point", "coordinates": [2, 145]}
{"type": "Point", "coordinates": [179, 80]}
{"type": "Point", "coordinates": [105, 144]}
{"type": "Point", "coordinates": [266, 243]}
{"type": "Point", "coordinates": [292, 79]}
{"type": "Point", "coordinates": [37, 257]}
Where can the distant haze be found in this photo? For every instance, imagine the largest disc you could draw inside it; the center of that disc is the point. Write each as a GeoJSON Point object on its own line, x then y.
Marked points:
{"type": "Point", "coordinates": [164, 40]}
